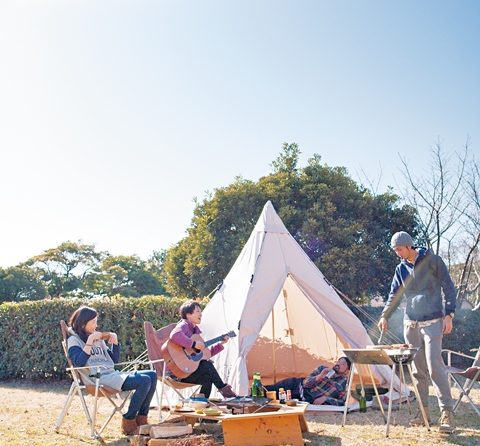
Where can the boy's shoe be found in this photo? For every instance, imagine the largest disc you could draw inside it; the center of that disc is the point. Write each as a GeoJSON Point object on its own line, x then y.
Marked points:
{"type": "Point", "coordinates": [227, 392]}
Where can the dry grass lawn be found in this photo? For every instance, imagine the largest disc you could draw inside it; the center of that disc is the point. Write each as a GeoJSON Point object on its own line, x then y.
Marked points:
{"type": "Point", "coordinates": [28, 412]}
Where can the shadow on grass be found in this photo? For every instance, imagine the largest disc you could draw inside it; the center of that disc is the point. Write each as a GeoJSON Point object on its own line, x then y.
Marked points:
{"type": "Point", "coordinates": [327, 440]}
{"type": "Point", "coordinates": [119, 442]}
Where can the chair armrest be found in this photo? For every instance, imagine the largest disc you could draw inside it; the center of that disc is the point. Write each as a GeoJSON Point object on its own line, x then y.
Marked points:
{"type": "Point", "coordinates": [85, 367]}
{"type": "Point", "coordinates": [133, 365]}
{"type": "Point", "coordinates": [451, 353]}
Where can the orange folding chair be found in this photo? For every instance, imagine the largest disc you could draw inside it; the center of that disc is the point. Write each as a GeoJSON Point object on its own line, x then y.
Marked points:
{"type": "Point", "coordinates": [154, 340]}
{"type": "Point", "coordinates": [471, 375]}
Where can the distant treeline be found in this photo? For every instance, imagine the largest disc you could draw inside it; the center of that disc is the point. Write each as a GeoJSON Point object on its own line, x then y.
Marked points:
{"type": "Point", "coordinates": [342, 227]}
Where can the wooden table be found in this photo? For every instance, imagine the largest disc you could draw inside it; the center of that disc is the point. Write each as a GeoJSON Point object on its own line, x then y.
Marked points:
{"type": "Point", "coordinates": [284, 426]}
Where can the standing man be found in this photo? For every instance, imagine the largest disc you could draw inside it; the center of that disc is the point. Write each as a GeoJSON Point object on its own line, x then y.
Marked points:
{"type": "Point", "coordinates": [420, 277]}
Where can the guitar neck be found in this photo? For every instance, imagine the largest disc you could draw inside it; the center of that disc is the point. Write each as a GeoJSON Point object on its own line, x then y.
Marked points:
{"type": "Point", "coordinates": [214, 340]}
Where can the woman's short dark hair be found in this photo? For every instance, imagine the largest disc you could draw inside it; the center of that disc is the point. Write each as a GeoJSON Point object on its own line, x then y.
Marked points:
{"type": "Point", "coordinates": [80, 318]}
{"type": "Point", "coordinates": [188, 308]}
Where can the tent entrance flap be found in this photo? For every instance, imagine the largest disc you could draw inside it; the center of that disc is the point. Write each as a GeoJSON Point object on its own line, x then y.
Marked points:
{"type": "Point", "coordinates": [295, 338]}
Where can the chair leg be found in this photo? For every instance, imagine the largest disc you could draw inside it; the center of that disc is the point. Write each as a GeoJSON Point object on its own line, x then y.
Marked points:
{"type": "Point", "coordinates": [116, 408]}
{"type": "Point", "coordinates": [94, 434]}
{"type": "Point", "coordinates": [160, 401]}
{"type": "Point", "coordinates": [472, 403]}
{"type": "Point", "coordinates": [64, 411]}
{"type": "Point", "coordinates": [75, 389]}
{"type": "Point", "coordinates": [464, 392]}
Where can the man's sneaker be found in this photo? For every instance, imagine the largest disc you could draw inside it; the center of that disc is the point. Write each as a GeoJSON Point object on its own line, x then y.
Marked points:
{"type": "Point", "coordinates": [418, 420]}
{"type": "Point", "coordinates": [446, 424]}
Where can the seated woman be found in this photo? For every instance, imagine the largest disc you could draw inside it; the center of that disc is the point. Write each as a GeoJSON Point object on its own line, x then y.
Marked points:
{"type": "Point", "coordinates": [86, 348]}
{"type": "Point", "coordinates": [206, 374]}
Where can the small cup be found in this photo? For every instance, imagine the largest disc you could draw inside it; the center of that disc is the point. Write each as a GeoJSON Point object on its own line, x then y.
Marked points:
{"type": "Point", "coordinates": [271, 395]}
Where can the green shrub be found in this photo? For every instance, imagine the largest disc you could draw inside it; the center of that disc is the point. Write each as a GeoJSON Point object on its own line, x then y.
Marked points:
{"type": "Point", "coordinates": [465, 335]}
{"type": "Point", "coordinates": [30, 336]}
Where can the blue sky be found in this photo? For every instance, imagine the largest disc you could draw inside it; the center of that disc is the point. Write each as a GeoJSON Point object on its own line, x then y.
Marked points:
{"type": "Point", "coordinates": [114, 115]}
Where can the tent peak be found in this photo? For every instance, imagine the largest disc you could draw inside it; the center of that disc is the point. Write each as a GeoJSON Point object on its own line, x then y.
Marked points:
{"type": "Point", "coordinates": [269, 221]}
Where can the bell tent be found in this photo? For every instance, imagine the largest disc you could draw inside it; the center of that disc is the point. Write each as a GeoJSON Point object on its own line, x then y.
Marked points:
{"type": "Point", "coordinates": [288, 317]}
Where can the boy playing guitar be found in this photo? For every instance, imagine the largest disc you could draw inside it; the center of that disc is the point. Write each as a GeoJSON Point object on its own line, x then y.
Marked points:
{"type": "Point", "coordinates": [185, 340]}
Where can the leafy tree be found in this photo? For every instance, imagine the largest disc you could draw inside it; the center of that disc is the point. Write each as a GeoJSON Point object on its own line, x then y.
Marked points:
{"type": "Point", "coordinates": [19, 283]}
{"type": "Point", "coordinates": [287, 160]}
{"type": "Point", "coordinates": [342, 227]}
{"type": "Point", "coordinates": [125, 275]}
{"type": "Point", "coordinates": [154, 265]}
{"type": "Point", "coordinates": [66, 267]}
{"type": "Point", "coordinates": [220, 226]}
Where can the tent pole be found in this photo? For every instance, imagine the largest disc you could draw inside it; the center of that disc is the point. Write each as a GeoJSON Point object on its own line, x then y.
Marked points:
{"type": "Point", "coordinates": [273, 347]}
{"type": "Point", "coordinates": [290, 331]}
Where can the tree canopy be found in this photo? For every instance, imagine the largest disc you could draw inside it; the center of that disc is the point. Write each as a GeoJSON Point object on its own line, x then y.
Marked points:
{"type": "Point", "coordinates": [78, 269]}
{"type": "Point", "coordinates": [19, 283]}
{"type": "Point", "coordinates": [342, 227]}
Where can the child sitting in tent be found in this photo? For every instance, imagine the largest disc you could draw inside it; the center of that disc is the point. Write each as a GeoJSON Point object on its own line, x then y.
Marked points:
{"type": "Point", "coordinates": [322, 386]}
{"type": "Point", "coordinates": [186, 335]}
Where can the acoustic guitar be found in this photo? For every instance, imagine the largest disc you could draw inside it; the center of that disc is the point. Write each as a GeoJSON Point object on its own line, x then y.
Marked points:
{"type": "Point", "coordinates": [182, 361]}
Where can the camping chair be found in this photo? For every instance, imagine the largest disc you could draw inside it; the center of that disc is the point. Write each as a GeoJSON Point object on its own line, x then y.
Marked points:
{"type": "Point", "coordinates": [471, 375]}
{"type": "Point", "coordinates": [154, 340]}
{"type": "Point", "coordinates": [86, 381]}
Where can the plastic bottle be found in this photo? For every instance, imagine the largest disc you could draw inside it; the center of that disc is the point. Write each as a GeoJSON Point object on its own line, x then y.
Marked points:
{"type": "Point", "coordinates": [362, 402]}
{"type": "Point", "coordinates": [282, 395]}
{"type": "Point", "coordinates": [289, 395]}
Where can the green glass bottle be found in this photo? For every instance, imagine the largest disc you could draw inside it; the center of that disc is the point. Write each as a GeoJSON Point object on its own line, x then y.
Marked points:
{"type": "Point", "coordinates": [255, 387]}
{"type": "Point", "coordinates": [260, 389]}
{"type": "Point", "coordinates": [362, 402]}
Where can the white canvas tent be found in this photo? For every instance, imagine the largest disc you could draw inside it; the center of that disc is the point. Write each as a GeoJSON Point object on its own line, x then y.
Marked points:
{"type": "Point", "coordinates": [288, 318]}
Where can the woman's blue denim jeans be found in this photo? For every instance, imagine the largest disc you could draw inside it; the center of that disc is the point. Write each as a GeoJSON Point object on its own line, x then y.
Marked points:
{"type": "Point", "coordinates": [144, 382]}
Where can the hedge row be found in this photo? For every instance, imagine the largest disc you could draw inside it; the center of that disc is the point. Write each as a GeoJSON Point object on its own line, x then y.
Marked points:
{"type": "Point", "coordinates": [30, 336]}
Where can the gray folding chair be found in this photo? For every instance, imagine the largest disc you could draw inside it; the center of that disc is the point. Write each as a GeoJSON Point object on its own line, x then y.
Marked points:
{"type": "Point", "coordinates": [85, 382]}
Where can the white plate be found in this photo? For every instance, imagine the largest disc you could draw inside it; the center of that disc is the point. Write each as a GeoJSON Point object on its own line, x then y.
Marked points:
{"type": "Point", "coordinates": [185, 409]}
